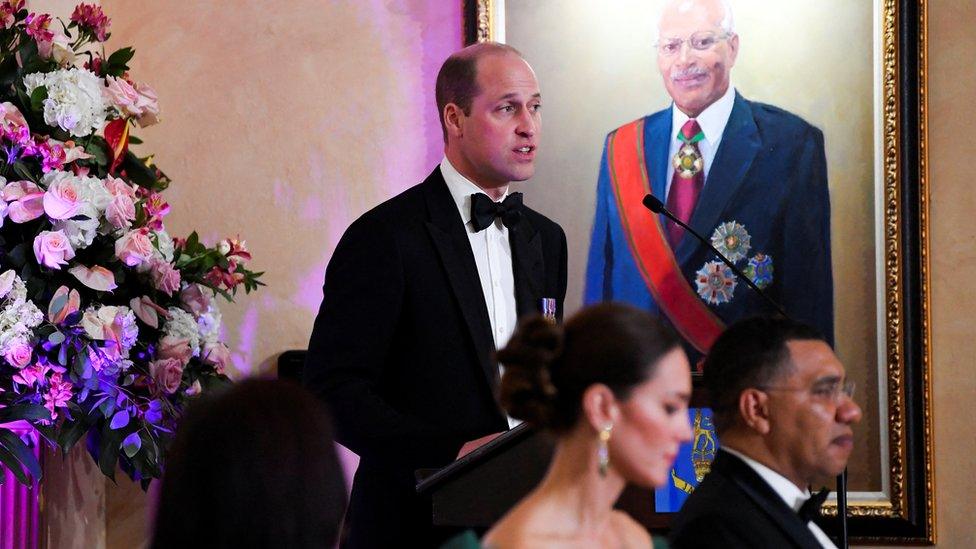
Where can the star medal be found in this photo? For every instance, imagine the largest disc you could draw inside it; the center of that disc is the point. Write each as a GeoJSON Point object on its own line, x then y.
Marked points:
{"type": "Point", "coordinates": [687, 162]}
{"type": "Point", "coordinates": [715, 282]}
{"type": "Point", "coordinates": [760, 270]}
{"type": "Point", "coordinates": [731, 240]}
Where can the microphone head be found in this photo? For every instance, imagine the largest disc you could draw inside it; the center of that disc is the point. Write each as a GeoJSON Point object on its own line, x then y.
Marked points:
{"type": "Point", "coordinates": [652, 203]}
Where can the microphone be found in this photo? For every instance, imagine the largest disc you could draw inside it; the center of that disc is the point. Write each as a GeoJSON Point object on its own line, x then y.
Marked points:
{"type": "Point", "coordinates": [652, 203]}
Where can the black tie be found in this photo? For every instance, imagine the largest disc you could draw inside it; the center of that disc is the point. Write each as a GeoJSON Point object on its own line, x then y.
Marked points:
{"type": "Point", "coordinates": [811, 507]}
{"type": "Point", "coordinates": [484, 210]}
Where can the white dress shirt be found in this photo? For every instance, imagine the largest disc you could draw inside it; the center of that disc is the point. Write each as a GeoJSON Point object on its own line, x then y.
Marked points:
{"type": "Point", "coordinates": [712, 121]}
{"type": "Point", "coordinates": [493, 257]}
{"type": "Point", "coordinates": [793, 496]}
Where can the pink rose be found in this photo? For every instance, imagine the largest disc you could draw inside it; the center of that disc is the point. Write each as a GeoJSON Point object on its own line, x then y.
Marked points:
{"type": "Point", "coordinates": [18, 354]}
{"type": "Point", "coordinates": [218, 356]}
{"type": "Point", "coordinates": [52, 249]}
{"type": "Point", "coordinates": [71, 303]}
{"type": "Point", "coordinates": [195, 300]}
{"type": "Point", "coordinates": [168, 372]}
{"type": "Point", "coordinates": [174, 347]}
{"type": "Point", "coordinates": [116, 187]}
{"type": "Point", "coordinates": [149, 104]}
{"type": "Point", "coordinates": [121, 212]}
{"type": "Point", "coordinates": [134, 247]}
{"type": "Point", "coordinates": [11, 117]}
{"type": "Point", "coordinates": [25, 201]}
{"type": "Point", "coordinates": [164, 277]}
{"type": "Point", "coordinates": [62, 200]}
{"type": "Point", "coordinates": [122, 95]}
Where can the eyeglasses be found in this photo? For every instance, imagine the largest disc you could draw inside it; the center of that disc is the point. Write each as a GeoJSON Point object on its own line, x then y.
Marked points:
{"type": "Point", "coordinates": [699, 41]}
{"type": "Point", "coordinates": [828, 390]}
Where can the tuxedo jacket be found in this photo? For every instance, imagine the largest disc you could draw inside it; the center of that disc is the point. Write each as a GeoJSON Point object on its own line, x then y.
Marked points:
{"type": "Point", "coordinates": [734, 507]}
{"type": "Point", "coordinates": [769, 174]}
{"type": "Point", "coordinates": [402, 348]}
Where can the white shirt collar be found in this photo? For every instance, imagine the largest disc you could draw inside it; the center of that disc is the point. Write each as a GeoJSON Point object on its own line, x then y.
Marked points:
{"type": "Point", "coordinates": [461, 189]}
{"type": "Point", "coordinates": [793, 496]}
{"type": "Point", "coordinates": [712, 120]}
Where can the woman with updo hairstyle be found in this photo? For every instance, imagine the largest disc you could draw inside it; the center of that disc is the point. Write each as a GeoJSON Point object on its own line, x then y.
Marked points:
{"type": "Point", "coordinates": [613, 386]}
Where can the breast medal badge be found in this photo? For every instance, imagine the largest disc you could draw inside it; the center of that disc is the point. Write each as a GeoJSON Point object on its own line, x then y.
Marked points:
{"type": "Point", "coordinates": [732, 240]}
{"type": "Point", "coordinates": [759, 269]}
{"type": "Point", "coordinates": [716, 283]}
{"type": "Point", "coordinates": [547, 305]}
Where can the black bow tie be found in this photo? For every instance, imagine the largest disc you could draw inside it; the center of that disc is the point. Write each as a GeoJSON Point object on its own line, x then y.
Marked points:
{"type": "Point", "coordinates": [811, 507]}
{"type": "Point", "coordinates": [484, 210]}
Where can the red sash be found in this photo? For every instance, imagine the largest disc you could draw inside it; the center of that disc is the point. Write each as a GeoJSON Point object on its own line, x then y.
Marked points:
{"type": "Point", "coordinates": [645, 236]}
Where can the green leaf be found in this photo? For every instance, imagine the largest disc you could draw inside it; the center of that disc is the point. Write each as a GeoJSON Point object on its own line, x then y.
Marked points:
{"type": "Point", "coordinates": [120, 420]}
{"type": "Point", "coordinates": [132, 444]}
{"type": "Point", "coordinates": [133, 140]}
{"type": "Point", "coordinates": [29, 412]}
{"type": "Point", "coordinates": [108, 455]}
{"type": "Point", "coordinates": [23, 171]}
{"type": "Point", "coordinates": [12, 444]}
{"type": "Point", "coordinates": [116, 64]}
{"type": "Point", "coordinates": [72, 433]}
{"type": "Point", "coordinates": [37, 98]}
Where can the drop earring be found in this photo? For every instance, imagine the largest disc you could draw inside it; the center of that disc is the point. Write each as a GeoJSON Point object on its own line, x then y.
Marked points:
{"type": "Point", "coordinates": [603, 450]}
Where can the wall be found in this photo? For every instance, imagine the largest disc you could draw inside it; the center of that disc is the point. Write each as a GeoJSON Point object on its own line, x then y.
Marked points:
{"type": "Point", "coordinates": [285, 125]}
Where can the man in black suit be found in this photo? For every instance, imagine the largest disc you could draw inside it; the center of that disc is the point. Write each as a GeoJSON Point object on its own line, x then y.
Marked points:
{"type": "Point", "coordinates": [784, 411]}
{"type": "Point", "coordinates": [422, 289]}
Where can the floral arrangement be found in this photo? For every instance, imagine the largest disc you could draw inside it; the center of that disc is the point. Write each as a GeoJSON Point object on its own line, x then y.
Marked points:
{"type": "Point", "coordinates": [108, 325]}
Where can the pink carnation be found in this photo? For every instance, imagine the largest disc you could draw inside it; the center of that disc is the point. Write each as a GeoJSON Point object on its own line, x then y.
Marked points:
{"type": "Point", "coordinates": [52, 249]}
{"type": "Point", "coordinates": [164, 277]}
{"type": "Point", "coordinates": [167, 372]}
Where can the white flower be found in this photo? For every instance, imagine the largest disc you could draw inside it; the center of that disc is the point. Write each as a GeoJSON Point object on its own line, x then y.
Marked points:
{"type": "Point", "coordinates": [164, 246]}
{"type": "Point", "coordinates": [182, 324]}
{"type": "Point", "coordinates": [209, 325]}
{"type": "Point", "coordinates": [81, 233]}
{"type": "Point", "coordinates": [91, 190]}
{"type": "Point", "coordinates": [18, 315]}
{"type": "Point", "coordinates": [74, 99]}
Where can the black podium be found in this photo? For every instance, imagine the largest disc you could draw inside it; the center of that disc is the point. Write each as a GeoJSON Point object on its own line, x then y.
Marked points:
{"type": "Point", "coordinates": [478, 489]}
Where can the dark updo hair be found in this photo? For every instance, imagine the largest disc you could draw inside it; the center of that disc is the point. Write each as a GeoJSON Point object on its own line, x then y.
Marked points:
{"type": "Point", "coordinates": [548, 367]}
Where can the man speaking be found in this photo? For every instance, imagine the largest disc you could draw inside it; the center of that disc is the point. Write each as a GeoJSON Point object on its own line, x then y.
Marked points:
{"type": "Point", "coordinates": [423, 288]}
{"type": "Point", "coordinates": [748, 176]}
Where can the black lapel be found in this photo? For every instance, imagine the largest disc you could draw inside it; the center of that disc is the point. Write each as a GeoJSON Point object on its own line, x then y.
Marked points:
{"type": "Point", "coordinates": [740, 144]}
{"type": "Point", "coordinates": [766, 498]}
{"type": "Point", "coordinates": [528, 266]}
{"type": "Point", "coordinates": [451, 241]}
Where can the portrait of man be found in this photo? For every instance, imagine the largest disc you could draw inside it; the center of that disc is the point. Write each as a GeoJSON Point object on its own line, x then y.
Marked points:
{"type": "Point", "coordinates": [748, 176]}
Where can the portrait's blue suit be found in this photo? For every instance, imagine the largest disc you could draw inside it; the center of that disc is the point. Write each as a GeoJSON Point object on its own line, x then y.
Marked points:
{"type": "Point", "coordinates": [769, 174]}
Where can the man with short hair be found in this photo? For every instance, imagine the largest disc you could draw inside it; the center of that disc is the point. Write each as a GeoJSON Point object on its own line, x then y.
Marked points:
{"type": "Point", "coordinates": [422, 289]}
{"type": "Point", "coordinates": [750, 177]}
{"type": "Point", "coordinates": [784, 410]}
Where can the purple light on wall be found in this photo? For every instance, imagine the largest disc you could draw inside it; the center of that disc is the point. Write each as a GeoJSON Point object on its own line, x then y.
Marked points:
{"type": "Point", "coordinates": [19, 505]}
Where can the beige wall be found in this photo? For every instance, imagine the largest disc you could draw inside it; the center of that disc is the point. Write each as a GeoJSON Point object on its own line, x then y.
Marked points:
{"type": "Point", "coordinates": [284, 125]}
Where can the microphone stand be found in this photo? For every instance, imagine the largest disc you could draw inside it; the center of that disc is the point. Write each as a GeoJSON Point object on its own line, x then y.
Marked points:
{"type": "Point", "coordinates": [652, 203]}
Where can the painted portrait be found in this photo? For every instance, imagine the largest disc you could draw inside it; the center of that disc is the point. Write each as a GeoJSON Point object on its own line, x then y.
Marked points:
{"type": "Point", "coordinates": [802, 193]}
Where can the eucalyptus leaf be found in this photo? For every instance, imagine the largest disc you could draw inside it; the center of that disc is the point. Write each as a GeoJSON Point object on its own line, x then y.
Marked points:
{"type": "Point", "coordinates": [120, 419]}
{"type": "Point", "coordinates": [131, 444]}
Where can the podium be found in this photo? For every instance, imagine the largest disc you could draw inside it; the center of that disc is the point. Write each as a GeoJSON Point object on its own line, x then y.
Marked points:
{"type": "Point", "coordinates": [478, 489]}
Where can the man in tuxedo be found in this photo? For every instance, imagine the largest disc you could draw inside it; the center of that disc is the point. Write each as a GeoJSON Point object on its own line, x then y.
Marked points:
{"type": "Point", "coordinates": [422, 289]}
{"type": "Point", "coordinates": [748, 176]}
{"type": "Point", "coordinates": [784, 412]}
